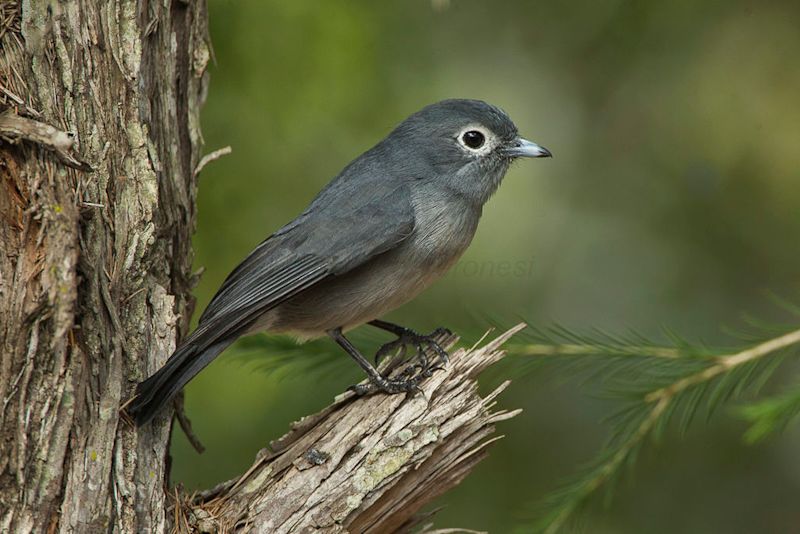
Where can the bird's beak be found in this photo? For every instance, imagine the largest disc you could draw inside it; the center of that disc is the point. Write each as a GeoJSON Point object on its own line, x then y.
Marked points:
{"type": "Point", "coordinates": [522, 148]}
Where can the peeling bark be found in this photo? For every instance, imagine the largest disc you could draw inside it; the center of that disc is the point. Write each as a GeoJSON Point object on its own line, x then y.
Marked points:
{"type": "Point", "coordinates": [94, 265]}
{"type": "Point", "coordinates": [365, 465]}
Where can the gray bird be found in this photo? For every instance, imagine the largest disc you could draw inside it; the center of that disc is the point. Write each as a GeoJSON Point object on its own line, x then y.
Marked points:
{"type": "Point", "coordinates": [393, 221]}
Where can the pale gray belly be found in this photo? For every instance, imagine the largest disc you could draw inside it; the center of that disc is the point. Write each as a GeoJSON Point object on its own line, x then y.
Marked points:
{"type": "Point", "coordinates": [377, 287]}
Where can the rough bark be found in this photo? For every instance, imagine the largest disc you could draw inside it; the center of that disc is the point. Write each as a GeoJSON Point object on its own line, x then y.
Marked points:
{"type": "Point", "coordinates": [94, 250]}
{"type": "Point", "coordinates": [365, 465]}
{"type": "Point", "coordinates": [99, 151]}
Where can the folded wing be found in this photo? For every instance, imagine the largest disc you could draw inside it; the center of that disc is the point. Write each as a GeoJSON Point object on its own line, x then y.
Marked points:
{"type": "Point", "coordinates": [342, 229]}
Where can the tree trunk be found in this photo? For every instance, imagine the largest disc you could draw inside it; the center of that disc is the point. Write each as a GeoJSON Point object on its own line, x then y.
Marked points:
{"type": "Point", "coordinates": [95, 250]}
{"type": "Point", "coordinates": [100, 145]}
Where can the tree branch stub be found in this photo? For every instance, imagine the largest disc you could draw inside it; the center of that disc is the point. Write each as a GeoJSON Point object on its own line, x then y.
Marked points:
{"type": "Point", "coordinates": [366, 464]}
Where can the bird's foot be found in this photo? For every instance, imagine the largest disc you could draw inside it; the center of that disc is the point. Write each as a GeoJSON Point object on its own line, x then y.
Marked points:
{"type": "Point", "coordinates": [407, 381]}
{"type": "Point", "coordinates": [421, 342]}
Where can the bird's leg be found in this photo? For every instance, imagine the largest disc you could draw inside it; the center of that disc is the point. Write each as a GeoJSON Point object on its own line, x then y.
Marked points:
{"type": "Point", "coordinates": [406, 336]}
{"type": "Point", "coordinates": [377, 382]}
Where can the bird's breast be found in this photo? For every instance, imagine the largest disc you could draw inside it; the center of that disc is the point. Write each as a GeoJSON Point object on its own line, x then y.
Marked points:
{"type": "Point", "coordinates": [442, 232]}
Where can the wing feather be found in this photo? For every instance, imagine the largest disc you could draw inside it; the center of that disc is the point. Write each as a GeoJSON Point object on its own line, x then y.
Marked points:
{"type": "Point", "coordinates": [317, 245]}
{"type": "Point", "coordinates": [361, 214]}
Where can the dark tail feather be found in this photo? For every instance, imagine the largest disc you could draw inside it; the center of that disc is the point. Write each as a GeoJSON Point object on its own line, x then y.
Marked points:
{"type": "Point", "coordinates": [160, 388]}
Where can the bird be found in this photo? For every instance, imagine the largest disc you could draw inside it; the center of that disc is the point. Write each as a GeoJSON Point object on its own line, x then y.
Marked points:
{"type": "Point", "coordinates": [387, 226]}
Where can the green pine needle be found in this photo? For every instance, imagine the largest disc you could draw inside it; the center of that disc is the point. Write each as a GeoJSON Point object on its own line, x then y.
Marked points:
{"type": "Point", "coordinates": [770, 416]}
{"type": "Point", "coordinates": [658, 384]}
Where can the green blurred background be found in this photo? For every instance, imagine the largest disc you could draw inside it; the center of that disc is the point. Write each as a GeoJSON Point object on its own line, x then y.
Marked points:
{"type": "Point", "coordinates": [672, 200]}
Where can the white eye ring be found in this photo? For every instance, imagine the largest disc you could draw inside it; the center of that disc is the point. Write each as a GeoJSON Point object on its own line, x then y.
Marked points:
{"type": "Point", "coordinates": [468, 135]}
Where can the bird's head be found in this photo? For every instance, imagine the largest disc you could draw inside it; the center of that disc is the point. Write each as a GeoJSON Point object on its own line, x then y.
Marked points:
{"type": "Point", "coordinates": [464, 145]}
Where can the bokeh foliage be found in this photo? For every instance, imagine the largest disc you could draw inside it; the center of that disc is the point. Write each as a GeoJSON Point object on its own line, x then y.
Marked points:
{"type": "Point", "coordinates": [672, 200]}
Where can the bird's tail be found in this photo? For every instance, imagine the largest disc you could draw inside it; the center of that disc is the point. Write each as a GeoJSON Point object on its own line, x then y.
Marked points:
{"type": "Point", "coordinates": [182, 366]}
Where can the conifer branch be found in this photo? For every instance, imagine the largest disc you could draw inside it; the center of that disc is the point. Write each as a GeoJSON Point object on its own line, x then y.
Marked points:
{"type": "Point", "coordinates": [661, 381]}
{"type": "Point", "coordinates": [726, 363]}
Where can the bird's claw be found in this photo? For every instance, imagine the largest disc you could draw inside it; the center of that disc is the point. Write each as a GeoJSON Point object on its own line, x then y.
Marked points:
{"type": "Point", "coordinates": [420, 342]}
{"type": "Point", "coordinates": [408, 379]}
{"type": "Point", "coordinates": [388, 348]}
{"type": "Point", "coordinates": [391, 385]}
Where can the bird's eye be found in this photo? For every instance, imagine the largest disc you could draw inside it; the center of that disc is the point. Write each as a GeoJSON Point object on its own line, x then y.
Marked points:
{"type": "Point", "coordinates": [473, 139]}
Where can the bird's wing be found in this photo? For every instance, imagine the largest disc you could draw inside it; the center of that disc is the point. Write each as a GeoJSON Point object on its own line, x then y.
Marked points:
{"type": "Point", "coordinates": [343, 228]}
{"type": "Point", "coordinates": [339, 232]}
